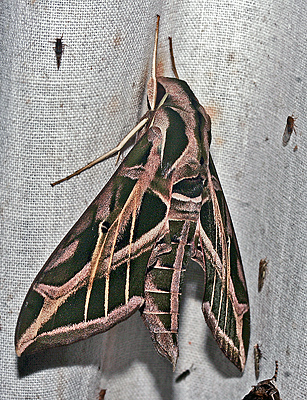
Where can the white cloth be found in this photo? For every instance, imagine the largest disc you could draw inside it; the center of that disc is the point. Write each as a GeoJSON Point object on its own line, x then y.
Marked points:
{"type": "Point", "coordinates": [246, 63]}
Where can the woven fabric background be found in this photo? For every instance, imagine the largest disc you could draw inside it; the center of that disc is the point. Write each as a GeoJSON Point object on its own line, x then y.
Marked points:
{"type": "Point", "coordinates": [246, 62]}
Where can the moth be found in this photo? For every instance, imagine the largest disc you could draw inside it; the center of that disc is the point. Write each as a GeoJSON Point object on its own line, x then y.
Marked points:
{"type": "Point", "coordinates": [58, 48]}
{"type": "Point", "coordinates": [129, 250]}
{"type": "Point", "coordinates": [290, 127]}
{"type": "Point", "coordinates": [265, 390]}
{"type": "Point", "coordinates": [257, 358]}
{"type": "Point", "coordinates": [263, 266]}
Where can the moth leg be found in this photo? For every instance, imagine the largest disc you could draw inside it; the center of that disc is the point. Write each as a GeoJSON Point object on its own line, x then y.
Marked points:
{"type": "Point", "coordinates": [110, 153]}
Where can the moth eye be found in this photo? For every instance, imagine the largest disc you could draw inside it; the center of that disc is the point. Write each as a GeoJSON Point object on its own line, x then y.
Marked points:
{"type": "Point", "coordinates": [202, 160]}
{"type": "Point", "coordinates": [104, 226]}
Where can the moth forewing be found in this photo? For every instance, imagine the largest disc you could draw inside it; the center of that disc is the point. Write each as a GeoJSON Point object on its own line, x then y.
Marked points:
{"type": "Point", "coordinates": [129, 250]}
{"type": "Point", "coordinates": [100, 241]}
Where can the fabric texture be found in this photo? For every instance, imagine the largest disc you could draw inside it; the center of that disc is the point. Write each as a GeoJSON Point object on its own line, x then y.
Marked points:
{"type": "Point", "coordinates": [246, 63]}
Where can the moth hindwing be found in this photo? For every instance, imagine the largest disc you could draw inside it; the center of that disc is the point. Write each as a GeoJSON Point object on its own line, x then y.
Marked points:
{"type": "Point", "coordinates": [128, 251]}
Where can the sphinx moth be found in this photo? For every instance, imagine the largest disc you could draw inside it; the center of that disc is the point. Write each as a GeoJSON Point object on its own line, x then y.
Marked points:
{"type": "Point", "coordinates": [265, 390]}
{"type": "Point", "coordinates": [129, 250]}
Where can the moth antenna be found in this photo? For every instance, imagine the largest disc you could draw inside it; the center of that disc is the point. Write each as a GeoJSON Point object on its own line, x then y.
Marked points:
{"type": "Point", "coordinates": [172, 57]}
{"type": "Point", "coordinates": [152, 89]}
{"type": "Point", "coordinates": [276, 371]}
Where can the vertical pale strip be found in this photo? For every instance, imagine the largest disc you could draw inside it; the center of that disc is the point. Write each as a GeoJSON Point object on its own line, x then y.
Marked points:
{"type": "Point", "coordinates": [127, 286]}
